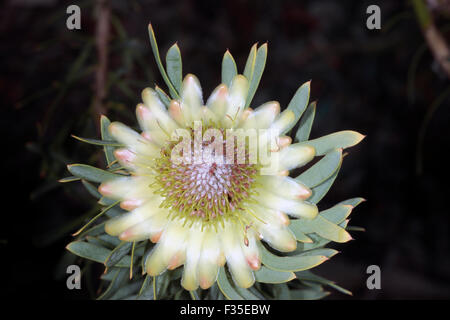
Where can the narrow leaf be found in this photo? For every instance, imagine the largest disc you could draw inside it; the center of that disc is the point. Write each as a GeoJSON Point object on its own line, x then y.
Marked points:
{"type": "Point", "coordinates": [229, 69]}
{"type": "Point", "coordinates": [353, 202]}
{"type": "Point", "coordinates": [117, 254]}
{"type": "Point", "coordinates": [299, 103]}
{"type": "Point", "coordinates": [266, 275]}
{"type": "Point", "coordinates": [68, 179]}
{"type": "Point", "coordinates": [91, 189]}
{"type": "Point", "coordinates": [172, 90]}
{"type": "Point", "coordinates": [98, 142]}
{"type": "Point", "coordinates": [308, 294]}
{"type": "Point", "coordinates": [165, 99]}
{"type": "Point", "coordinates": [108, 150]}
{"type": "Point", "coordinates": [225, 286]}
{"type": "Point", "coordinates": [322, 170]}
{"type": "Point", "coordinates": [341, 139]}
{"type": "Point", "coordinates": [146, 291]}
{"type": "Point", "coordinates": [95, 253]}
{"type": "Point", "coordinates": [322, 227]}
{"type": "Point", "coordinates": [337, 214]}
{"type": "Point", "coordinates": [258, 69]}
{"type": "Point", "coordinates": [321, 190]}
{"type": "Point", "coordinates": [95, 218]}
{"type": "Point", "coordinates": [90, 173]}
{"type": "Point", "coordinates": [116, 284]}
{"type": "Point", "coordinates": [290, 263]}
{"type": "Point", "coordinates": [306, 121]}
{"type": "Point", "coordinates": [250, 64]}
{"type": "Point", "coordinates": [174, 66]}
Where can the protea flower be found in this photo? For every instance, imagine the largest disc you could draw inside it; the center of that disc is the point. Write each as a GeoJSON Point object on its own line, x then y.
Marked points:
{"type": "Point", "coordinates": [204, 212]}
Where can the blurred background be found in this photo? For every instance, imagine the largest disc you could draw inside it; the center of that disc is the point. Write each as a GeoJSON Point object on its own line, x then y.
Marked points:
{"type": "Point", "coordinates": [389, 84]}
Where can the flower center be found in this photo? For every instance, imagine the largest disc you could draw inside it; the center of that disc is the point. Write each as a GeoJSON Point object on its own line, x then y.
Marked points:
{"type": "Point", "coordinates": [206, 190]}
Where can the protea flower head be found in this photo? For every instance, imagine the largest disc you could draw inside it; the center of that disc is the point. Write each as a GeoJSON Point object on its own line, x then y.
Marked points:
{"type": "Point", "coordinates": [207, 180]}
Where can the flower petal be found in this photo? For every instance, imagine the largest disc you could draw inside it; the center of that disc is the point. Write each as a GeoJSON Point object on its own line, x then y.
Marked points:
{"type": "Point", "coordinates": [191, 99]}
{"type": "Point", "coordinates": [285, 187]}
{"type": "Point", "coordinates": [171, 244]}
{"type": "Point", "coordinates": [296, 208]}
{"type": "Point", "coordinates": [190, 279]}
{"type": "Point", "coordinates": [131, 188]}
{"type": "Point", "coordinates": [294, 156]}
{"type": "Point", "coordinates": [208, 266]}
{"type": "Point", "coordinates": [150, 228]}
{"type": "Point", "coordinates": [237, 264]}
{"type": "Point", "coordinates": [262, 117]}
{"type": "Point", "coordinates": [164, 121]}
{"type": "Point", "coordinates": [217, 101]}
{"type": "Point", "coordinates": [236, 100]}
{"type": "Point", "coordinates": [119, 224]}
{"type": "Point", "coordinates": [280, 238]}
{"type": "Point", "coordinates": [133, 140]}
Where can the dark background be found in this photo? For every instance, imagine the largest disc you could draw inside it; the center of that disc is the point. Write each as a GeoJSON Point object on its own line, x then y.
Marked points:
{"type": "Point", "coordinates": [381, 83]}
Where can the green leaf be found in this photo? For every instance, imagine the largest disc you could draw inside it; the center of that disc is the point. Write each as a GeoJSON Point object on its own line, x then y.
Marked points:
{"type": "Point", "coordinates": [146, 292]}
{"type": "Point", "coordinates": [109, 275]}
{"type": "Point", "coordinates": [225, 286]}
{"type": "Point", "coordinates": [299, 103]}
{"type": "Point", "coordinates": [94, 231]}
{"type": "Point", "coordinates": [258, 69]}
{"type": "Point", "coordinates": [109, 150]}
{"type": "Point", "coordinates": [165, 99]}
{"type": "Point", "coordinates": [95, 253]}
{"type": "Point", "coordinates": [300, 236]}
{"type": "Point", "coordinates": [68, 179]}
{"type": "Point", "coordinates": [322, 170]}
{"type": "Point", "coordinates": [117, 254]}
{"type": "Point", "coordinates": [353, 201]}
{"type": "Point", "coordinates": [229, 69]}
{"type": "Point", "coordinates": [112, 241]}
{"type": "Point", "coordinates": [321, 190]}
{"type": "Point", "coordinates": [308, 294]}
{"type": "Point", "coordinates": [302, 261]}
{"type": "Point", "coordinates": [318, 242]}
{"type": "Point", "coordinates": [250, 64]}
{"type": "Point", "coordinates": [98, 142]}
{"type": "Point", "coordinates": [90, 173]}
{"type": "Point", "coordinates": [281, 292]}
{"type": "Point", "coordinates": [246, 294]}
{"type": "Point", "coordinates": [266, 275]}
{"type": "Point", "coordinates": [174, 66]}
{"type": "Point", "coordinates": [95, 218]}
{"type": "Point", "coordinates": [194, 295]}
{"type": "Point", "coordinates": [172, 90]}
{"type": "Point", "coordinates": [127, 290]}
{"type": "Point", "coordinates": [341, 139]}
{"type": "Point", "coordinates": [91, 189]}
{"type": "Point", "coordinates": [322, 227]}
{"type": "Point", "coordinates": [116, 283]}
{"type": "Point", "coordinates": [338, 213]}
{"type": "Point", "coordinates": [308, 275]}
{"type": "Point", "coordinates": [104, 201]}
{"type": "Point", "coordinates": [160, 284]}
{"type": "Point", "coordinates": [306, 121]}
